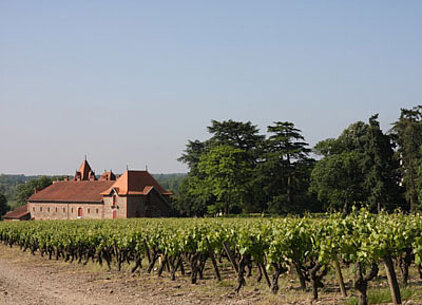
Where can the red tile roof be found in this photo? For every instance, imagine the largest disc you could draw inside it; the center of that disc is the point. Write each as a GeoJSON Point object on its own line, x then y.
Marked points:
{"type": "Point", "coordinates": [72, 191]}
{"type": "Point", "coordinates": [136, 183]}
{"type": "Point", "coordinates": [17, 213]}
{"type": "Point", "coordinates": [85, 172]}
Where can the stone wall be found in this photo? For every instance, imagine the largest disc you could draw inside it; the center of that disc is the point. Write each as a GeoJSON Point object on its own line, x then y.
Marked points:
{"type": "Point", "coordinates": [151, 205]}
{"type": "Point", "coordinates": [46, 211]}
{"type": "Point", "coordinates": [159, 207]}
{"type": "Point", "coordinates": [120, 207]}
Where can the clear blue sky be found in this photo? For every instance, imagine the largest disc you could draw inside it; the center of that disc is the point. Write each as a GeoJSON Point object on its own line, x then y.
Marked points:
{"type": "Point", "coordinates": [129, 82]}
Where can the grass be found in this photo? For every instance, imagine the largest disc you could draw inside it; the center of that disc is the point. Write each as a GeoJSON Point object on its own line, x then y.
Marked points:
{"type": "Point", "coordinates": [382, 296]}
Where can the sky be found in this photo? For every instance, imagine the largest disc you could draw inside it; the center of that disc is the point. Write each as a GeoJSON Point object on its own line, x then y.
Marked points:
{"type": "Point", "coordinates": [128, 83]}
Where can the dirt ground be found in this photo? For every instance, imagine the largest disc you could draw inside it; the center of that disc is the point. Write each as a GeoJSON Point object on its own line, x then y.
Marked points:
{"type": "Point", "coordinates": [34, 280]}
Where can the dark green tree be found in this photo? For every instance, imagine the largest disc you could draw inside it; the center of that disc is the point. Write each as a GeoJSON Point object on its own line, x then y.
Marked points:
{"type": "Point", "coordinates": [407, 134]}
{"type": "Point", "coordinates": [357, 168]}
{"type": "Point", "coordinates": [380, 168]}
{"type": "Point", "coordinates": [282, 172]}
{"type": "Point", "coordinates": [244, 136]}
{"type": "Point", "coordinates": [3, 205]}
{"type": "Point", "coordinates": [191, 155]}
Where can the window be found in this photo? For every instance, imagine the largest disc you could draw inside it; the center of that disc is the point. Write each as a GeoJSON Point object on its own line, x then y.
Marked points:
{"type": "Point", "coordinates": [64, 210]}
{"type": "Point", "coordinates": [33, 209]}
{"type": "Point", "coordinates": [114, 199]}
{"type": "Point", "coordinates": [89, 211]}
{"type": "Point", "coordinates": [71, 210]}
{"type": "Point", "coordinates": [48, 210]}
{"type": "Point", "coordinates": [56, 209]}
{"type": "Point", "coordinates": [40, 209]}
{"type": "Point", "coordinates": [97, 211]}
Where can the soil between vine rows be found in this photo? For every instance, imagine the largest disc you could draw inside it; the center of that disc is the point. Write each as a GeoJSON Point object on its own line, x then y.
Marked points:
{"type": "Point", "coordinates": [34, 280]}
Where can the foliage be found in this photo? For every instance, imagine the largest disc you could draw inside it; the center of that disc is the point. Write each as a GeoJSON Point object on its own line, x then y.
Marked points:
{"type": "Point", "coordinates": [407, 134]}
{"type": "Point", "coordinates": [225, 173]}
{"type": "Point", "coordinates": [337, 180]}
{"type": "Point", "coordinates": [271, 174]}
{"type": "Point", "coordinates": [25, 190]}
{"type": "Point", "coordinates": [357, 168]}
{"type": "Point", "coordinates": [3, 204]}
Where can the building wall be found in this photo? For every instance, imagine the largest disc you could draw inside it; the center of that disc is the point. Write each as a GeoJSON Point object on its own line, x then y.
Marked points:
{"type": "Point", "coordinates": [136, 206]}
{"type": "Point", "coordinates": [151, 205]}
{"type": "Point", "coordinates": [120, 207]}
{"type": "Point", "coordinates": [47, 211]}
{"type": "Point", "coordinates": [159, 207]}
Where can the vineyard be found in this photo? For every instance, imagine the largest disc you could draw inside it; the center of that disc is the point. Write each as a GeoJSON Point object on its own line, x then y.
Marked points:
{"type": "Point", "coordinates": [262, 249]}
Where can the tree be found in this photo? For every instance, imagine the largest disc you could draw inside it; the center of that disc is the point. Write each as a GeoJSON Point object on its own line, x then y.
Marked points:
{"type": "Point", "coordinates": [25, 190]}
{"type": "Point", "coordinates": [337, 179]}
{"type": "Point", "coordinates": [407, 134]}
{"type": "Point", "coordinates": [284, 167]}
{"type": "Point", "coordinates": [238, 135]}
{"type": "Point", "coordinates": [188, 204]}
{"type": "Point", "coordinates": [191, 155]}
{"type": "Point", "coordinates": [225, 174]}
{"type": "Point", "coordinates": [3, 205]}
{"type": "Point", "coordinates": [358, 167]}
{"type": "Point", "coordinates": [380, 168]}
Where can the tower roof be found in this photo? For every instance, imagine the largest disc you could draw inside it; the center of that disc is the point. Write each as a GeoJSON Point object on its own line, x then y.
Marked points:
{"type": "Point", "coordinates": [85, 172]}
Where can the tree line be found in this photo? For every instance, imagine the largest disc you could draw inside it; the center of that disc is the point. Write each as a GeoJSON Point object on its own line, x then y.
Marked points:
{"type": "Point", "coordinates": [239, 170]}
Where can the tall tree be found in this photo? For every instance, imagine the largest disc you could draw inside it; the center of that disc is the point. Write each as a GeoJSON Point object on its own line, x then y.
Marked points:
{"type": "Point", "coordinates": [380, 168]}
{"type": "Point", "coordinates": [358, 167]}
{"type": "Point", "coordinates": [283, 165]}
{"type": "Point", "coordinates": [240, 135]}
{"type": "Point", "coordinates": [191, 155]}
{"type": "Point", "coordinates": [337, 179]}
{"type": "Point", "coordinates": [225, 175]}
{"type": "Point", "coordinates": [407, 133]}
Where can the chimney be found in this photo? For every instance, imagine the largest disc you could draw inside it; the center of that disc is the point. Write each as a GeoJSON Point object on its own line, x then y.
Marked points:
{"type": "Point", "coordinates": [35, 191]}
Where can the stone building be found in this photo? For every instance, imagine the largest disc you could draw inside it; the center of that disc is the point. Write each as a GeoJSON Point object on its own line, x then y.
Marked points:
{"type": "Point", "coordinates": [20, 213]}
{"type": "Point", "coordinates": [132, 194]}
